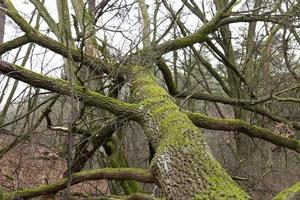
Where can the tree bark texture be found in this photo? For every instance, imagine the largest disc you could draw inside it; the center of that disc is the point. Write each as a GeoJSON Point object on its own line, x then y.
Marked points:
{"type": "Point", "coordinates": [183, 164]}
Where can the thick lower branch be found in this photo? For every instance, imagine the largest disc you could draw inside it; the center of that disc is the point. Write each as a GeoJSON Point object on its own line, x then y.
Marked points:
{"type": "Point", "coordinates": [243, 103]}
{"type": "Point", "coordinates": [60, 86]}
{"type": "Point", "coordinates": [243, 127]}
{"type": "Point", "coordinates": [107, 173]}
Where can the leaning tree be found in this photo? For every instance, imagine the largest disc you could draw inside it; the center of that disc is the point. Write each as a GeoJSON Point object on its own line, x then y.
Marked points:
{"type": "Point", "coordinates": [162, 47]}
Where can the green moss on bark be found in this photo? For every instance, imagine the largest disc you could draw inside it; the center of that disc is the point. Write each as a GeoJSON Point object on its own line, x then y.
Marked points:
{"type": "Point", "coordinates": [183, 164]}
{"type": "Point", "coordinates": [288, 193]}
{"type": "Point", "coordinates": [118, 160]}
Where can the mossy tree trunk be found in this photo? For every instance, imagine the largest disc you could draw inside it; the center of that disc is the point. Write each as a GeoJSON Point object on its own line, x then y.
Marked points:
{"type": "Point", "coordinates": [183, 164]}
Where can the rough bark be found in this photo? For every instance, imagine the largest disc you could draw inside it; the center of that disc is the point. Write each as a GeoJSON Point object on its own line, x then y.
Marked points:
{"type": "Point", "coordinates": [183, 164]}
